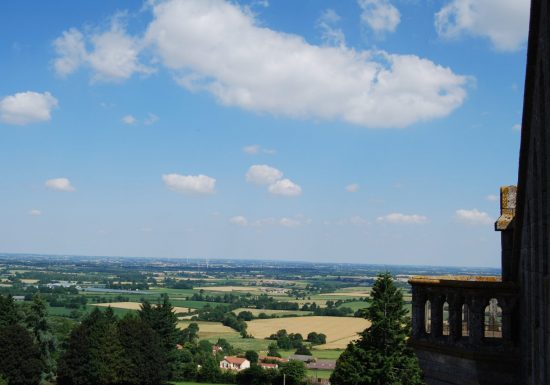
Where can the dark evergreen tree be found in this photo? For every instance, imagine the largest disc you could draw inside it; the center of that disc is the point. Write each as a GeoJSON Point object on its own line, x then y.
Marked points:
{"type": "Point", "coordinates": [381, 355]}
{"type": "Point", "coordinates": [144, 359]}
{"type": "Point", "coordinates": [20, 362]}
{"type": "Point", "coordinates": [8, 311]}
{"type": "Point", "coordinates": [37, 323]}
{"type": "Point", "coordinates": [94, 354]}
{"type": "Point", "coordinates": [162, 319]}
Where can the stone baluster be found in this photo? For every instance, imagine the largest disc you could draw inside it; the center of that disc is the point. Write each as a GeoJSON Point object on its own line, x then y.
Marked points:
{"type": "Point", "coordinates": [455, 317]}
{"type": "Point", "coordinates": [477, 320]}
{"type": "Point", "coordinates": [418, 313]}
{"type": "Point", "coordinates": [437, 316]}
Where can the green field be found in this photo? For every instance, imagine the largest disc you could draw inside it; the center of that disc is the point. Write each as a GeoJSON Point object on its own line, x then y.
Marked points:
{"type": "Point", "coordinates": [319, 373]}
{"type": "Point", "coordinates": [355, 305]}
{"type": "Point", "coordinates": [256, 312]}
{"type": "Point", "coordinates": [194, 304]}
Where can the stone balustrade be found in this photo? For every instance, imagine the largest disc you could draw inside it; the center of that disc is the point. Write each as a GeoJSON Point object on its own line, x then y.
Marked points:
{"type": "Point", "coordinates": [469, 313]}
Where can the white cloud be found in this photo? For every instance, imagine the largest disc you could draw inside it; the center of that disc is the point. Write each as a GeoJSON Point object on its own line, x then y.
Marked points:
{"type": "Point", "coordinates": [492, 198]}
{"type": "Point", "coordinates": [256, 149]}
{"type": "Point", "coordinates": [285, 187]}
{"type": "Point", "coordinates": [516, 127]}
{"type": "Point", "coordinates": [380, 15]}
{"type": "Point", "coordinates": [403, 218]}
{"type": "Point", "coordinates": [504, 22]}
{"type": "Point", "coordinates": [60, 184]}
{"type": "Point", "coordinates": [35, 212]}
{"type": "Point", "coordinates": [262, 174]}
{"type": "Point", "coordinates": [129, 119]}
{"type": "Point", "coordinates": [151, 119]}
{"type": "Point", "coordinates": [190, 184]}
{"type": "Point", "coordinates": [473, 216]}
{"type": "Point", "coordinates": [218, 47]}
{"type": "Point", "coordinates": [329, 33]}
{"type": "Point", "coordinates": [114, 55]}
{"type": "Point", "coordinates": [252, 149]}
{"type": "Point", "coordinates": [353, 187]}
{"type": "Point", "coordinates": [239, 220]}
{"type": "Point", "coordinates": [71, 52]}
{"type": "Point", "coordinates": [27, 107]}
{"type": "Point", "coordinates": [296, 221]}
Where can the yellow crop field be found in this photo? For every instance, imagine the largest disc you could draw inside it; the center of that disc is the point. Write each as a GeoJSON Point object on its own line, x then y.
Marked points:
{"type": "Point", "coordinates": [30, 281]}
{"type": "Point", "coordinates": [209, 329]}
{"type": "Point", "coordinates": [339, 330]}
{"type": "Point", "coordinates": [135, 306]}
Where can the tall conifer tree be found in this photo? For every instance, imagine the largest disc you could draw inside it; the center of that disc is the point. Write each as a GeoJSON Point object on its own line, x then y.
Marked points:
{"type": "Point", "coordinates": [381, 355]}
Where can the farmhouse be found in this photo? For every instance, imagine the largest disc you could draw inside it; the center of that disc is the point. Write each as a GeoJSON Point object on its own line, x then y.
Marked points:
{"type": "Point", "coordinates": [268, 366]}
{"type": "Point", "coordinates": [234, 363]}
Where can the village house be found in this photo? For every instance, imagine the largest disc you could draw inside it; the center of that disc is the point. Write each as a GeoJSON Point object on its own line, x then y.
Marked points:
{"type": "Point", "coordinates": [267, 366]}
{"type": "Point", "coordinates": [234, 363]}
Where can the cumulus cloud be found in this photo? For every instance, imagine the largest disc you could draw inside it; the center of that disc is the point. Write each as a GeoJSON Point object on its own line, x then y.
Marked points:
{"type": "Point", "coordinates": [474, 217]}
{"type": "Point", "coordinates": [504, 22]}
{"type": "Point", "coordinates": [35, 212]}
{"type": "Point", "coordinates": [380, 15]}
{"type": "Point", "coordinates": [263, 174]}
{"type": "Point", "coordinates": [285, 187]}
{"type": "Point", "coordinates": [403, 218]}
{"type": "Point", "coordinates": [492, 198]}
{"type": "Point", "coordinates": [330, 34]}
{"type": "Point", "coordinates": [239, 220]}
{"type": "Point", "coordinates": [113, 57]}
{"type": "Point", "coordinates": [27, 107]}
{"type": "Point", "coordinates": [129, 119]}
{"type": "Point", "coordinates": [252, 149]}
{"type": "Point", "coordinates": [190, 184]}
{"type": "Point", "coordinates": [59, 184]}
{"type": "Point", "coordinates": [219, 48]}
{"type": "Point", "coordinates": [353, 187]}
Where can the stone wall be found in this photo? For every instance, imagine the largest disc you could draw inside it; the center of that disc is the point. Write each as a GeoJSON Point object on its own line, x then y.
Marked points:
{"type": "Point", "coordinates": [531, 253]}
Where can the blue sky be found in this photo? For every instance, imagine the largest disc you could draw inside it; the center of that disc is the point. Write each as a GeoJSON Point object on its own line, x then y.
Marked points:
{"type": "Point", "coordinates": [375, 131]}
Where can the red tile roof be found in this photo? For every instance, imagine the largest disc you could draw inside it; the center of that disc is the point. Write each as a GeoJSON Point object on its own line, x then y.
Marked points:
{"type": "Point", "coordinates": [235, 360]}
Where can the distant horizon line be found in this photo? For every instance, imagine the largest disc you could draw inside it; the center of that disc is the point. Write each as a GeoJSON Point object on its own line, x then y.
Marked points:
{"type": "Point", "coordinates": [210, 260]}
